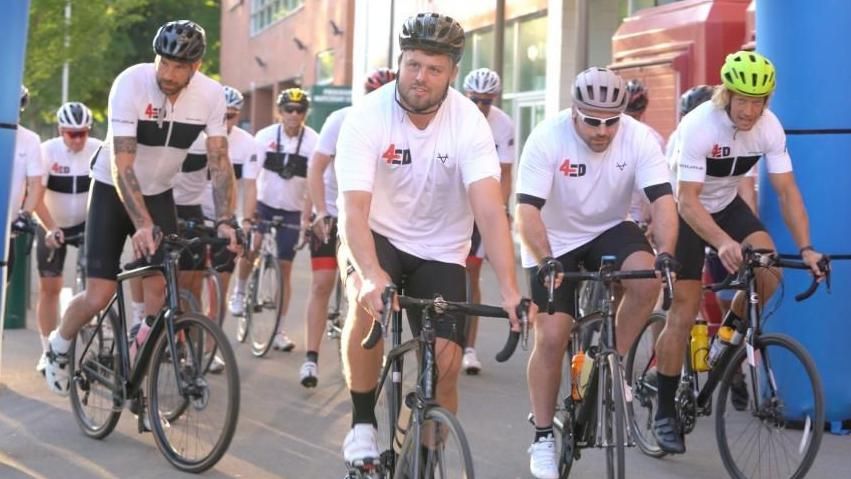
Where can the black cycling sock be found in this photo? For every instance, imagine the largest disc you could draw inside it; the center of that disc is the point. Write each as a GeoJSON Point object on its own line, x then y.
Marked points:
{"type": "Point", "coordinates": [363, 408]}
{"type": "Point", "coordinates": [543, 432]}
{"type": "Point", "coordinates": [667, 391]}
{"type": "Point", "coordinates": [313, 356]}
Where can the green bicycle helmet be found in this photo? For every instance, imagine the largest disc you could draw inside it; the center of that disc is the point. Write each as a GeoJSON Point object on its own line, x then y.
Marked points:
{"type": "Point", "coordinates": [748, 73]}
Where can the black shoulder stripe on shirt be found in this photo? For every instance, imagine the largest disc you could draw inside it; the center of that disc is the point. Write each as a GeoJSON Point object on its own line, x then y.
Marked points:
{"type": "Point", "coordinates": [654, 192]}
{"type": "Point", "coordinates": [68, 184]}
{"type": "Point", "coordinates": [524, 199]}
{"type": "Point", "coordinates": [149, 133]}
{"type": "Point", "coordinates": [194, 162]}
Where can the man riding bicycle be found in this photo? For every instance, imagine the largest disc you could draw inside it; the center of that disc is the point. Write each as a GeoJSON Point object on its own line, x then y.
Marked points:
{"type": "Point", "coordinates": [156, 111]}
{"type": "Point", "coordinates": [575, 182]}
{"type": "Point", "coordinates": [719, 142]}
{"type": "Point", "coordinates": [62, 213]}
{"type": "Point", "coordinates": [412, 178]}
{"type": "Point", "coordinates": [322, 188]}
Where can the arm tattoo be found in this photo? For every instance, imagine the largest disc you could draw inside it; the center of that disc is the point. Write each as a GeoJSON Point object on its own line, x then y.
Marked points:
{"type": "Point", "coordinates": [131, 195]}
{"type": "Point", "coordinates": [124, 144]}
{"type": "Point", "coordinates": [221, 174]}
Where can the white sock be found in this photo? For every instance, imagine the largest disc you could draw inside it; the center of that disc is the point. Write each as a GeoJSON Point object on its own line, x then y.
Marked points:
{"type": "Point", "coordinates": [58, 343]}
{"type": "Point", "coordinates": [240, 285]}
{"type": "Point", "coordinates": [45, 343]}
{"type": "Point", "coordinates": [138, 312]}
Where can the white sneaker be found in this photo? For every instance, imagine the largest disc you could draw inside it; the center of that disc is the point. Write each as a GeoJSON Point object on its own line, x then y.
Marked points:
{"type": "Point", "coordinates": [42, 363]}
{"type": "Point", "coordinates": [236, 304]}
{"type": "Point", "coordinates": [217, 365]}
{"type": "Point", "coordinates": [309, 374]}
{"type": "Point", "coordinates": [56, 372]}
{"type": "Point", "coordinates": [361, 446]}
{"type": "Point", "coordinates": [282, 342]}
{"type": "Point", "coordinates": [470, 362]}
{"type": "Point", "coordinates": [543, 460]}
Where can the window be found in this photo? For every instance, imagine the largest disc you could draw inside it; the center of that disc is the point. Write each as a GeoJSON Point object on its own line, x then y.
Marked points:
{"type": "Point", "coordinates": [266, 12]}
{"type": "Point", "coordinates": [325, 67]}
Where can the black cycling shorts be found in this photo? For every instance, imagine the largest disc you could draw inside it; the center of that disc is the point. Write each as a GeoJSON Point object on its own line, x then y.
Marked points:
{"type": "Point", "coordinates": [619, 241]}
{"type": "Point", "coordinates": [323, 256]}
{"type": "Point", "coordinates": [54, 267]}
{"type": "Point", "coordinates": [419, 278]}
{"type": "Point", "coordinates": [108, 225]}
{"type": "Point", "coordinates": [737, 220]}
{"type": "Point", "coordinates": [192, 258]}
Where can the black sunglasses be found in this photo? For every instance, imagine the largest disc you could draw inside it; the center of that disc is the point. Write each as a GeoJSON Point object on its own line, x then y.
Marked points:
{"type": "Point", "coordinates": [291, 109]}
{"type": "Point", "coordinates": [483, 101]}
{"type": "Point", "coordinates": [595, 122]}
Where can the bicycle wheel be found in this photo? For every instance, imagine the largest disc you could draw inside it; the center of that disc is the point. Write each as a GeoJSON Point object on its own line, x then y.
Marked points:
{"type": "Point", "coordinates": [563, 426]}
{"type": "Point", "coordinates": [613, 418]}
{"type": "Point", "coordinates": [265, 301]}
{"type": "Point", "coordinates": [779, 433]}
{"type": "Point", "coordinates": [337, 316]}
{"type": "Point", "coordinates": [640, 374]}
{"type": "Point", "coordinates": [444, 451]}
{"type": "Point", "coordinates": [212, 296]}
{"type": "Point", "coordinates": [188, 301]}
{"type": "Point", "coordinates": [94, 373]}
{"type": "Point", "coordinates": [199, 436]}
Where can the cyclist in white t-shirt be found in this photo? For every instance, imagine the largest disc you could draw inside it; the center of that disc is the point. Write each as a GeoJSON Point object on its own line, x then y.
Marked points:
{"type": "Point", "coordinates": [26, 188]}
{"type": "Point", "coordinates": [322, 188]}
{"type": "Point", "coordinates": [415, 163]}
{"type": "Point", "coordinates": [718, 143]}
{"type": "Point", "coordinates": [281, 190]}
{"type": "Point", "coordinates": [482, 87]}
{"type": "Point", "coordinates": [62, 213]}
{"type": "Point", "coordinates": [156, 111]}
{"type": "Point", "coordinates": [575, 181]}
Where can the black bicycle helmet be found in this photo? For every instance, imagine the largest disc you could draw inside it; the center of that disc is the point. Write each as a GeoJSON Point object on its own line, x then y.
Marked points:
{"type": "Point", "coordinates": [433, 32]}
{"type": "Point", "coordinates": [181, 40]}
{"type": "Point", "coordinates": [637, 93]}
{"type": "Point", "coordinates": [693, 97]}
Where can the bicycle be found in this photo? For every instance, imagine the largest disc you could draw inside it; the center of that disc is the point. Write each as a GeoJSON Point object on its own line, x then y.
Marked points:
{"type": "Point", "coordinates": [211, 302]}
{"type": "Point", "coordinates": [174, 360]}
{"type": "Point", "coordinates": [265, 288]}
{"type": "Point", "coordinates": [429, 427]}
{"type": "Point", "coordinates": [766, 409]}
{"type": "Point", "coordinates": [594, 415]}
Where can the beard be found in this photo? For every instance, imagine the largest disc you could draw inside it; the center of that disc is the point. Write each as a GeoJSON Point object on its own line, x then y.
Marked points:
{"type": "Point", "coordinates": [170, 87]}
{"type": "Point", "coordinates": [420, 98]}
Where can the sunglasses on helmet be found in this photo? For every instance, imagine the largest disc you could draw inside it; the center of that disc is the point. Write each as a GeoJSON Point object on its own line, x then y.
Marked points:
{"type": "Point", "coordinates": [595, 122]}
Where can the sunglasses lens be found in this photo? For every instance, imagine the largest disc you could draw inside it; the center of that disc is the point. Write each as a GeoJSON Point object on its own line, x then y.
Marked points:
{"type": "Point", "coordinates": [290, 109]}
{"type": "Point", "coordinates": [483, 101]}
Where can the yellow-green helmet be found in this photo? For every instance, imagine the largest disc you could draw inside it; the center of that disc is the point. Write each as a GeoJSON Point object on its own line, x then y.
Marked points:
{"type": "Point", "coordinates": [293, 95]}
{"type": "Point", "coordinates": [748, 73]}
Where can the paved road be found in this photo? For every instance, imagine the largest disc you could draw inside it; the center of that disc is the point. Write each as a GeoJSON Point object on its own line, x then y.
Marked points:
{"type": "Point", "coordinates": [286, 431]}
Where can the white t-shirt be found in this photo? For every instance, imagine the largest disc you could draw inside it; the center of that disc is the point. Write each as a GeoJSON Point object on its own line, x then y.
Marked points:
{"type": "Point", "coordinates": [27, 163]}
{"type": "Point", "coordinates": [243, 153]}
{"type": "Point", "coordinates": [587, 193]}
{"type": "Point", "coordinates": [328, 146]}
{"type": "Point", "coordinates": [502, 128]}
{"type": "Point", "coordinates": [710, 150]}
{"type": "Point", "coordinates": [163, 131]}
{"type": "Point", "coordinates": [418, 178]}
{"type": "Point", "coordinates": [67, 178]}
{"type": "Point", "coordinates": [639, 200]}
{"type": "Point", "coordinates": [272, 190]}
{"type": "Point", "coordinates": [190, 184]}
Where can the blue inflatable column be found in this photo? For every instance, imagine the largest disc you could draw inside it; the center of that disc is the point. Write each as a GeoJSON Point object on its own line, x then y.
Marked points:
{"type": "Point", "coordinates": [809, 44]}
{"type": "Point", "coordinates": [12, 65]}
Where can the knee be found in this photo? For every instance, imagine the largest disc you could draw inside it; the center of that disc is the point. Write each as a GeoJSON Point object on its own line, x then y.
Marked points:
{"type": "Point", "coordinates": [550, 342]}
{"type": "Point", "coordinates": [644, 290]}
{"type": "Point", "coordinates": [97, 297]}
{"type": "Point", "coordinates": [448, 359]}
{"type": "Point", "coordinates": [49, 289]}
{"type": "Point", "coordinates": [322, 284]}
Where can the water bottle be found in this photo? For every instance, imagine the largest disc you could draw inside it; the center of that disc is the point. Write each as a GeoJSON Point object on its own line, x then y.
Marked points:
{"type": "Point", "coordinates": [576, 365]}
{"type": "Point", "coordinates": [729, 334]}
{"type": "Point", "coordinates": [404, 421]}
{"type": "Point", "coordinates": [700, 346]}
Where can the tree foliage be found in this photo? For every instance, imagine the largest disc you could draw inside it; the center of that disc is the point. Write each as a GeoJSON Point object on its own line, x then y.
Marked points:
{"type": "Point", "coordinates": [105, 37]}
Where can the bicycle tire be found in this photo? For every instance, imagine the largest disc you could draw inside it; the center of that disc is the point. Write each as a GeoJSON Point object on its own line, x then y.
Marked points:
{"type": "Point", "coordinates": [337, 317]}
{"type": "Point", "coordinates": [101, 355]}
{"type": "Point", "coordinates": [261, 340]}
{"type": "Point", "coordinates": [770, 417]}
{"type": "Point", "coordinates": [614, 419]}
{"type": "Point", "coordinates": [563, 424]}
{"type": "Point", "coordinates": [213, 297]}
{"type": "Point", "coordinates": [644, 398]}
{"type": "Point", "coordinates": [437, 463]}
{"type": "Point", "coordinates": [189, 301]}
{"type": "Point", "coordinates": [191, 331]}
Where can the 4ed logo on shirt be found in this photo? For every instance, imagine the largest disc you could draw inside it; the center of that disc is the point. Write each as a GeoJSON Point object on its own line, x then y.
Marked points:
{"type": "Point", "coordinates": [152, 113]}
{"type": "Point", "coordinates": [573, 170]}
{"type": "Point", "coordinates": [720, 151]}
{"type": "Point", "coordinates": [393, 156]}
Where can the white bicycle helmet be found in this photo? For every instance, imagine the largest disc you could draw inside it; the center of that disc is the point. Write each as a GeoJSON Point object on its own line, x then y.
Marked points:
{"type": "Point", "coordinates": [74, 115]}
{"type": "Point", "coordinates": [483, 81]}
{"type": "Point", "coordinates": [233, 98]}
{"type": "Point", "coordinates": [600, 89]}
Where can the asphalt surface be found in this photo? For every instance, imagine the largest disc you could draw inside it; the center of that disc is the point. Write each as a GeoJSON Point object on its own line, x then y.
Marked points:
{"type": "Point", "coordinates": [287, 431]}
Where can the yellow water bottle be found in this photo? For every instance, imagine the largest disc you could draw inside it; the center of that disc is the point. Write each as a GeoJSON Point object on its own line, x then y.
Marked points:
{"type": "Point", "coordinates": [700, 346]}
